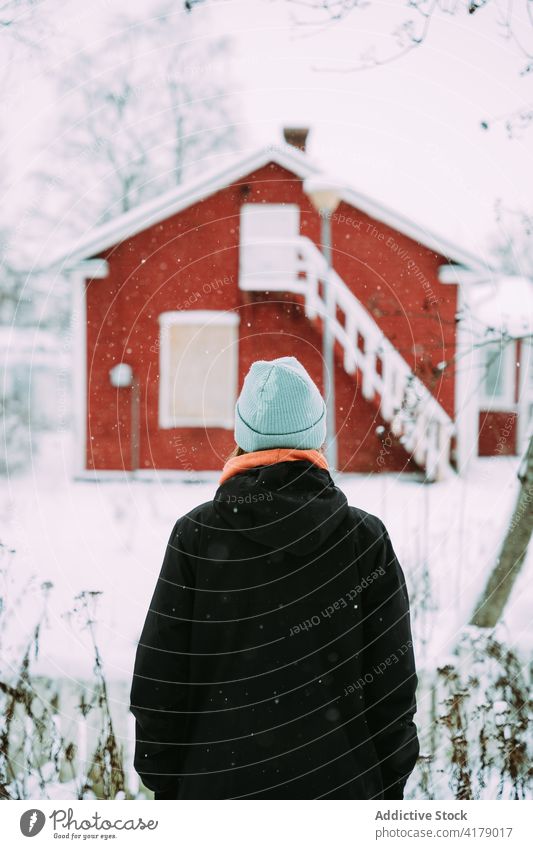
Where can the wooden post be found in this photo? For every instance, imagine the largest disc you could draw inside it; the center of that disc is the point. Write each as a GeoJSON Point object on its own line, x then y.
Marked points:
{"type": "Point", "coordinates": [135, 422]}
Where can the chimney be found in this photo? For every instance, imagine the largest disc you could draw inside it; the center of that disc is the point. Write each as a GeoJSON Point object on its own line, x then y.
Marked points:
{"type": "Point", "coordinates": [296, 136]}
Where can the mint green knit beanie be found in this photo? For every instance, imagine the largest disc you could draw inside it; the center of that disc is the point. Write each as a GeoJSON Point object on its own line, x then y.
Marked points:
{"type": "Point", "coordinates": [279, 407]}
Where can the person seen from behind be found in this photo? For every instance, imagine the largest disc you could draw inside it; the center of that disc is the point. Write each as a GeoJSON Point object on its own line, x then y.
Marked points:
{"type": "Point", "coordinates": [276, 659]}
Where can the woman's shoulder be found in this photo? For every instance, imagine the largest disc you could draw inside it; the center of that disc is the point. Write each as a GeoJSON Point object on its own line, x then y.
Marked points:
{"type": "Point", "coordinates": [190, 525]}
{"type": "Point", "coordinates": [366, 523]}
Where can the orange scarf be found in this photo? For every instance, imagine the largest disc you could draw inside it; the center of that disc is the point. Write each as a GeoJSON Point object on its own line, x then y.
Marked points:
{"type": "Point", "coordinates": [268, 457]}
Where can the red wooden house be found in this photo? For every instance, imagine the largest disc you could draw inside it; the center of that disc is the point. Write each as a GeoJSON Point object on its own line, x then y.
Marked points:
{"type": "Point", "coordinates": [185, 291]}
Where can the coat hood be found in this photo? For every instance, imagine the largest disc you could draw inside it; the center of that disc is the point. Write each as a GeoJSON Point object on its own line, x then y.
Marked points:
{"type": "Point", "coordinates": [291, 505]}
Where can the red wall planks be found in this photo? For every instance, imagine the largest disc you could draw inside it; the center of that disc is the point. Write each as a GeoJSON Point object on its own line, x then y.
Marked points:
{"type": "Point", "coordinates": [190, 261]}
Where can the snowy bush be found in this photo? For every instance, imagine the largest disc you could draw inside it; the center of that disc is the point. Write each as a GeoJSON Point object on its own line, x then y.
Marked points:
{"type": "Point", "coordinates": [475, 741]}
{"type": "Point", "coordinates": [59, 740]}
{"type": "Point", "coordinates": [37, 758]}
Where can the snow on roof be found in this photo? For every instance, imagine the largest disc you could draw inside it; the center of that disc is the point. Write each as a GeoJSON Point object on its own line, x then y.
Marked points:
{"type": "Point", "coordinates": [124, 226]}
{"type": "Point", "coordinates": [504, 304]}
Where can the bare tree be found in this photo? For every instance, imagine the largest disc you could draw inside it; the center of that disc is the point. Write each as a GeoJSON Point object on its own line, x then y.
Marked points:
{"type": "Point", "coordinates": [140, 110]}
{"type": "Point", "coordinates": [413, 29]}
{"type": "Point", "coordinates": [23, 28]}
{"type": "Point", "coordinates": [513, 551]}
{"type": "Point", "coordinates": [21, 22]}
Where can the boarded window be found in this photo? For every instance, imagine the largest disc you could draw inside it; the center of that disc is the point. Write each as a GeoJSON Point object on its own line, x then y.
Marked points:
{"type": "Point", "coordinates": [268, 245]}
{"type": "Point", "coordinates": [198, 369]}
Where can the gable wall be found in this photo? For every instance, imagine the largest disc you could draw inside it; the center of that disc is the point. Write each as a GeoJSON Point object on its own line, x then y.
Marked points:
{"type": "Point", "coordinates": [190, 261]}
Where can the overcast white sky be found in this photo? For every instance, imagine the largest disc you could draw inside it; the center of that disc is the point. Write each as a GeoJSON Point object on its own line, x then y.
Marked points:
{"type": "Point", "coordinates": [407, 133]}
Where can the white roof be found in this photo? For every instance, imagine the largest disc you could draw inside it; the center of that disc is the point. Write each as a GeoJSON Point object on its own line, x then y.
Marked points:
{"type": "Point", "coordinates": [169, 203]}
{"type": "Point", "coordinates": [504, 304]}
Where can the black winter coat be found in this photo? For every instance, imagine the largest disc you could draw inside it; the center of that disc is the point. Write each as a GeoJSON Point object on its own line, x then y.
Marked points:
{"type": "Point", "coordinates": [276, 659]}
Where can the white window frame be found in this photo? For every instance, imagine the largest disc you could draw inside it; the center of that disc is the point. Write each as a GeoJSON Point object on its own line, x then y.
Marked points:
{"type": "Point", "coordinates": [199, 317]}
{"type": "Point", "coordinates": [507, 400]}
{"type": "Point", "coordinates": [525, 397]}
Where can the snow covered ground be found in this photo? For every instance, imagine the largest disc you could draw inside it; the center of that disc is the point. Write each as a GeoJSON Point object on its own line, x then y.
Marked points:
{"type": "Point", "coordinates": [110, 537]}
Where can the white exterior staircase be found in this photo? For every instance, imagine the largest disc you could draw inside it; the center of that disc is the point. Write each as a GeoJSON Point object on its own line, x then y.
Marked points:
{"type": "Point", "coordinates": [413, 414]}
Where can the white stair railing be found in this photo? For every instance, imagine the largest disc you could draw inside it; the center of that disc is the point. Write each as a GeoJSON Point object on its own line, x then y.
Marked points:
{"type": "Point", "coordinates": [415, 416]}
